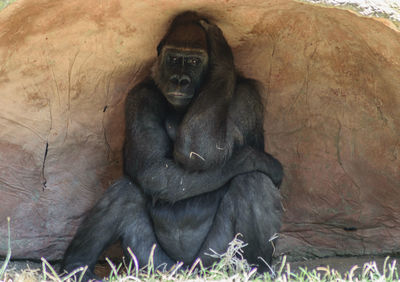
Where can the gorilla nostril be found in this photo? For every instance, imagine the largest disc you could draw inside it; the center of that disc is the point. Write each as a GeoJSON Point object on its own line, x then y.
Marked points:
{"type": "Point", "coordinates": [174, 79]}
{"type": "Point", "coordinates": [180, 80]}
{"type": "Point", "coordinates": [184, 82]}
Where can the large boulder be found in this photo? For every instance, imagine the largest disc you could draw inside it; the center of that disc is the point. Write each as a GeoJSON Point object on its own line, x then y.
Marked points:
{"type": "Point", "coordinates": [332, 100]}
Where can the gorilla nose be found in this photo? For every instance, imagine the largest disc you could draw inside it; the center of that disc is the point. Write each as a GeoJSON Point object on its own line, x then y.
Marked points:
{"type": "Point", "coordinates": [180, 80]}
{"type": "Point", "coordinates": [184, 81]}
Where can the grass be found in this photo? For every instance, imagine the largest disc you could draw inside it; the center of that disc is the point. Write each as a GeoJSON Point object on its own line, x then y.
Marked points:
{"type": "Point", "coordinates": [230, 267]}
{"type": "Point", "coordinates": [8, 257]}
{"type": "Point", "coordinates": [221, 271]}
{"type": "Point", "coordinates": [5, 3]}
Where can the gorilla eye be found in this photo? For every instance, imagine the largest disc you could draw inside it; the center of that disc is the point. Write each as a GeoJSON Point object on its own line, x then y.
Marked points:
{"type": "Point", "coordinates": [193, 61]}
{"type": "Point", "coordinates": [173, 60]}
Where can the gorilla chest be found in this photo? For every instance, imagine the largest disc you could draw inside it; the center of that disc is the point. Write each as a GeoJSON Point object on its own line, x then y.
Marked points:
{"type": "Point", "coordinates": [172, 122]}
{"type": "Point", "coordinates": [182, 227]}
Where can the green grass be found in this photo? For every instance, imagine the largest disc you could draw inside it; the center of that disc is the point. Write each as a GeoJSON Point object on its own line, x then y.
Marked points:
{"type": "Point", "coordinates": [230, 267]}
{"type": "Point", "coordinates": [5, 3]}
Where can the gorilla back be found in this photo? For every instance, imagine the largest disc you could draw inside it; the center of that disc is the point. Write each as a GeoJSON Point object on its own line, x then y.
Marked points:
{"type": "Point", "coordinates": [196, 173]}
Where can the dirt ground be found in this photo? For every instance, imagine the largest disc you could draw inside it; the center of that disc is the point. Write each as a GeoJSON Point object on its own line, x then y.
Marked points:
{"type": "Point", "coordinates": [341, 264]}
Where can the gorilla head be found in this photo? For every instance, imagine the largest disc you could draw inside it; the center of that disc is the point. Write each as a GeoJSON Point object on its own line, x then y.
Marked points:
{"type": "Point", "coordinates": [182, 60]}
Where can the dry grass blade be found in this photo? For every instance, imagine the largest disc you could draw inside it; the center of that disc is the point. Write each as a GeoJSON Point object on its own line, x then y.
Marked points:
{"type": "Point", "coordinates": [53, 274]}
{"type": "Point", "coordinates": [8, 257]}
{"type": "Point", "coordinates": [232, 261]}
{"type": "Point", "coordinates": [135, 262]}
{"type": "Point", "coordinates": [231, 267]}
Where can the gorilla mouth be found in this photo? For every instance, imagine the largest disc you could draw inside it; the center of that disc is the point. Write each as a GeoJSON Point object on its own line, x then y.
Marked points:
{"type": "Point", "coordinates": [176, 94]}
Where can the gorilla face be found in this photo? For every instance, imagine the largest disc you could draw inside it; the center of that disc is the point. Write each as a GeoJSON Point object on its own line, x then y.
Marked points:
{"type": "Point", "coordinates": [181, 73]}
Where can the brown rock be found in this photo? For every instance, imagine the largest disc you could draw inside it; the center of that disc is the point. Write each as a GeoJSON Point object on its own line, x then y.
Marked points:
{"type": "Point", "coordinates": [332, 99]}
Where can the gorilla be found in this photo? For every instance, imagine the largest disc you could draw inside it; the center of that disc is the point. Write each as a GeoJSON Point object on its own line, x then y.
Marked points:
{"type": "Point", "coordinates": [195, 170]}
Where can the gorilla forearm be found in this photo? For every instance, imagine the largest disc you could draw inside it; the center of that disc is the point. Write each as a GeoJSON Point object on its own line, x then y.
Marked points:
{"type": "Point", "coordinates": [170, 182]}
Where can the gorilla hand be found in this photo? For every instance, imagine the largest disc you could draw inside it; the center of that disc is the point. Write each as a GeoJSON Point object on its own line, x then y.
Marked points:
{"type": "Point", "coordinates": [249, 159]}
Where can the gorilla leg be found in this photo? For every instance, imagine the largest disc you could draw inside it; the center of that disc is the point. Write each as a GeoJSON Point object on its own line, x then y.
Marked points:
{"type": "Point", "coordinates": [251, 207]}
{"type": "Point", "coordinates": [137, 232]}
{"type": "Point", "coordinates": [120, 214]}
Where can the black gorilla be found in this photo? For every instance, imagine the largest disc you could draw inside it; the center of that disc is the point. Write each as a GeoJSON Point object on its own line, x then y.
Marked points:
{"type": "Point", "coordinates": [196, 172]}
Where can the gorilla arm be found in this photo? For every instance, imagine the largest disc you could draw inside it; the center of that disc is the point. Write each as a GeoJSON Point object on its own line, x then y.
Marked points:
{"type": "Point", "coordinates": [205, 138]}
{"type": "Point", "coordinates": [147, 148]}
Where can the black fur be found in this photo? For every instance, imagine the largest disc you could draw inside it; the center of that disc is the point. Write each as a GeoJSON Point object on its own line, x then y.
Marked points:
{"type": "Point", "coordinates": [196, 173]}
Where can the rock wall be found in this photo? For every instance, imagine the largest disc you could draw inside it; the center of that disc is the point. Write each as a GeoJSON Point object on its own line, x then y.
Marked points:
{"type": "Point", "coordinates": [332, 99]}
